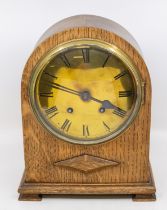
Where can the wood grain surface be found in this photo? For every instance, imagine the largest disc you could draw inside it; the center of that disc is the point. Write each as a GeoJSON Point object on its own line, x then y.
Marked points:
{"type": "Point", "coordinates": [130, 149]}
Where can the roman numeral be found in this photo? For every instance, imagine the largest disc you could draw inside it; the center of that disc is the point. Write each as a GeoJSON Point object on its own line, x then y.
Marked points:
{"type": "Point", "coordinates": [120, 75]}
{"type": "Point", "coordinates": [106, 126]}
{"type": "Point", "coordinates": [85, 130]}
{"type": "Point", "coordinates": [119, 112]}
{"type": "Point", "coordinates": [126, 93]}
{"type": "Point", "coordinates": [51, 112]}
{"type": "Point", "coordinates": [105, 61]}
{"type": "Point", "coordinates": [85, 53]}
{"type": "Point", "coordinates": [65, 60]}
{"type": "Point", "coordinates": [50, 75]}
{"type": "Point", "coordinates": [48, 95]}
{"type": "Point", "coordinates": [66, 125]}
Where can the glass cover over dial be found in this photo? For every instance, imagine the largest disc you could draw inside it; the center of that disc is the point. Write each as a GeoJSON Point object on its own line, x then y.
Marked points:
{"type": "Point", "coordinates": [85, 92]}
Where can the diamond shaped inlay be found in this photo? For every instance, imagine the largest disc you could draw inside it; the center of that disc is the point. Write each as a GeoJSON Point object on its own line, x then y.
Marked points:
{"type": "Point", "coordinates": [86, 163]}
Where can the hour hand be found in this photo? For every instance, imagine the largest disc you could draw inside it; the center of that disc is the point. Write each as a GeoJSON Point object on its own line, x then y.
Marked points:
{"type": "Point", "coordinates": [118, 111]}
{"type": "Point", "coordinates": [107, 104]}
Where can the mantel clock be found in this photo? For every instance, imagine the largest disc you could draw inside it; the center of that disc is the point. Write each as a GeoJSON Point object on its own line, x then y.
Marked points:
{"type": "Point", "coordinates": [86, 100]}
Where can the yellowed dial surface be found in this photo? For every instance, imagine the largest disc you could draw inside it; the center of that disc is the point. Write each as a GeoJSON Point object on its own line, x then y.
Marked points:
{"type": "Point", "coordinates": [84, 94]}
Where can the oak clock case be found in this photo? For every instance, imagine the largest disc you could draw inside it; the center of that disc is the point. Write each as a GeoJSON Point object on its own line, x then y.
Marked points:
{"type": "Point", "coordinates": [86, 99]}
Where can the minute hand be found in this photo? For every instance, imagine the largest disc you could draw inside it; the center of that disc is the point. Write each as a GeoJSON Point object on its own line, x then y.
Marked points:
{"type": "Point", "coordinates": [105, 104]}
{"type": "Point", "coordinates": [63, 88]}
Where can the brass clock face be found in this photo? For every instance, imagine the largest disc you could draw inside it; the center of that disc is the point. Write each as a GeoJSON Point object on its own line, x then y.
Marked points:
{"type": "Point", "coordinates": [85, 91]}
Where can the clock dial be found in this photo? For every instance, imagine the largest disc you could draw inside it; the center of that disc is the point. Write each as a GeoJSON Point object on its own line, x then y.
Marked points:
{"type": "Point", "coordinates": [85, 94]}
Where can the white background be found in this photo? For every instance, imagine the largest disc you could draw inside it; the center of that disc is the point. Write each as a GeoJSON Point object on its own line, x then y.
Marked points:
{"type": "Point", "coordinates": [21, 24]}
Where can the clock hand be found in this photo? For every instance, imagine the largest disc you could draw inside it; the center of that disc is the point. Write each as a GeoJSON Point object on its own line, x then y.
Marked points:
{"type": "Point", "coordinates": [85, 96]}
{"type": "Point", "coordinates": [63, 88]}
{"type": "Point", "coordinates": [108, 105]}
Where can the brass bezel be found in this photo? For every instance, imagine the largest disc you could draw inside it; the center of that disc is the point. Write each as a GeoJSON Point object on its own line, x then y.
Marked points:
{"type": "Point", "coordinates": [78, 43]}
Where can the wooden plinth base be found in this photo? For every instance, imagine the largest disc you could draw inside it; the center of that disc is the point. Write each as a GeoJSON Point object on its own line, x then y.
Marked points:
{"type": "Point", "coordinates": [144, 197]}
{"type": "Point", "coordinates": [30, 197]}
{"type": "Point", "coordinates": [139, 191]}
{"type": "Point", "coordinates": [137, 197]}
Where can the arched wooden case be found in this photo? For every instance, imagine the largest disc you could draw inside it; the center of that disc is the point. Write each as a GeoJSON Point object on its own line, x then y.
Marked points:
{"type": "Point", "coordinates": [120, 166]}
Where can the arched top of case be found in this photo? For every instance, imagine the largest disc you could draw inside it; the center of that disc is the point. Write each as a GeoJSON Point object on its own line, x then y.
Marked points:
{"type": "Point", "coordinates": [88, 27]}
{"type": "Point", "coordinates": [90, 21]}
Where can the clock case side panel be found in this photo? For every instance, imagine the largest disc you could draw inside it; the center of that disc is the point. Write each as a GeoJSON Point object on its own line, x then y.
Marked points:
{"type": "Point", "coordinates": [131, 148]}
